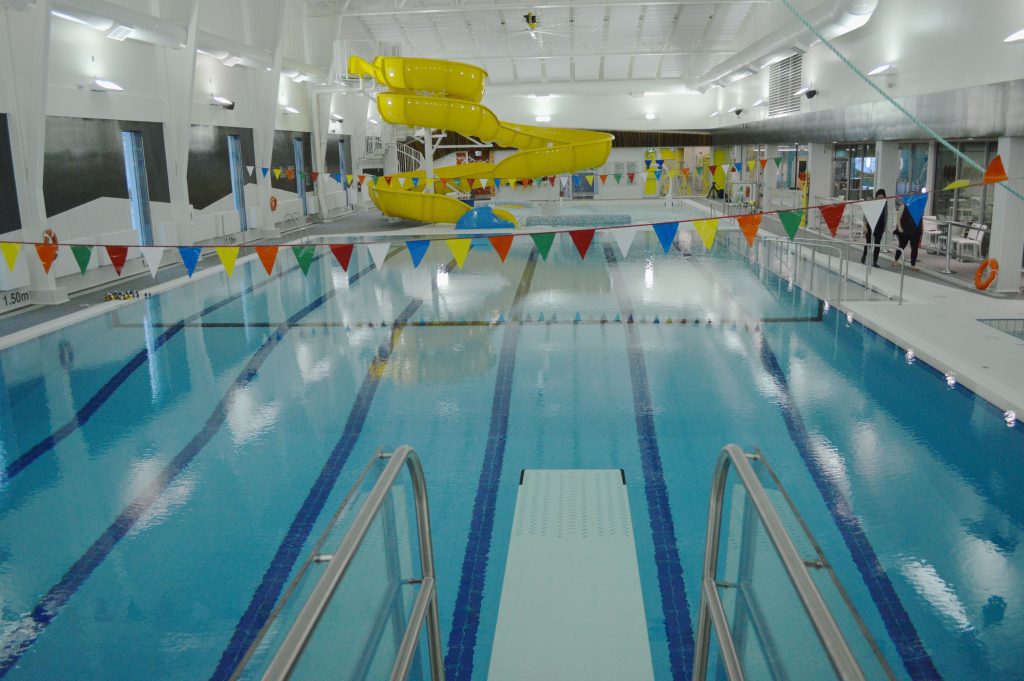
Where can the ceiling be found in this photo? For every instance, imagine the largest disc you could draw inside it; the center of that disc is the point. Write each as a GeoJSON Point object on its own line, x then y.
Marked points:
{"type": "Point", "coordinates": [575, 40]}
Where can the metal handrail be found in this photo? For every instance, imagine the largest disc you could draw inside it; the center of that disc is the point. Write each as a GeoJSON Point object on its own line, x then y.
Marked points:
{"type": "Point", "coordinates": [711, 611]}
{"type": "Point", "coordinates": [425, 607]}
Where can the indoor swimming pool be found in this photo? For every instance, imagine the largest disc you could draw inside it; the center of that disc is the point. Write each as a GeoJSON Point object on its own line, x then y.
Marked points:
{"type": "Point", "coordinates": [169, 464]}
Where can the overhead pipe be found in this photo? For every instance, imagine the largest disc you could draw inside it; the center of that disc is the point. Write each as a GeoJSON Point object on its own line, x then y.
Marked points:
{"type": "Point", "coordinates": [833, 18]}
{"type": "Point", "coordinates": [109, 17]}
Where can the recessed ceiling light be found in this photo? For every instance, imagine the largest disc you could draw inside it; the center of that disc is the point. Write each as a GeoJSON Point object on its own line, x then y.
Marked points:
{"type": "Point", "coordinates": [879, 69]}
{"type": "Point", "coordinates": [758, 102]}
{"type": "Point", "coordinates": [1015, 37]}
{"type": "Point", "coordinates": [542, 119]}
{"type": "Point", "coordinates": [223, 101]}
{"type": "Point", "coordinates": [232, 60]}
{"type": "Point", "coordinates": [733, 110]}
{"type": "Point", "coordinates": [715, 114]}
{"type": "Point", "coordinates": [108, 85]}
{"type": "Point", "coordinates": [650, 116]}
{"type": "Point", "coordinates": [373, 120]}
{"type": "Point", "coordinates": [120, 32]}
{"type": "Point", "coordinates": [801, 91]}
{"type": "Point", "coordinates": [291, 110]}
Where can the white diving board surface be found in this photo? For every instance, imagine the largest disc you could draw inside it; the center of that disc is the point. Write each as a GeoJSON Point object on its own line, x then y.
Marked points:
{"type": "Point", "coordinates": [571, 605]}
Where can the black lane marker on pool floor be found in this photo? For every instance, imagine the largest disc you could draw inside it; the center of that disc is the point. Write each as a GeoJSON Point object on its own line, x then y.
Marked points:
{"type": "Point", "coordinates": [915, 658]}
{"type": "Point", "coordinates": [674, 605]}
{"type": "Point", "coordinates": [458, 661]}
{"type": "Point", "coordinates": [90, 408]}
{"type": "Point", "coordinates": [19, 638]}
{"type": "Point", "coordinates": [274, 579]}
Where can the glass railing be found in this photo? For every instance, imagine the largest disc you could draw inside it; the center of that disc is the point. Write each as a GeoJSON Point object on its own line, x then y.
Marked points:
{"type": "Point", "coordinates": [363, 605]}
{"type": "Point", "coordinates": [770, 600]}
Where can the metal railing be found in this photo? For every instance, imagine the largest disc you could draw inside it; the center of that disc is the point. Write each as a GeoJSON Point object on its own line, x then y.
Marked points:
{"type": "Point", "coordinates": [424, 610]}
{"type": "Point", "coordinates": [797, 568]}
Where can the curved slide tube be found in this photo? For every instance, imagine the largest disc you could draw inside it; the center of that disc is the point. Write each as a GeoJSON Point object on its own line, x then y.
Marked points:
{"type": "Point", "coordinates": [456, 90]}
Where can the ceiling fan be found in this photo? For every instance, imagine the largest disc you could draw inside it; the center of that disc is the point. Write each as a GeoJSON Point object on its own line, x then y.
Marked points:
{"type": "Point", "coordinates": [536, 30]}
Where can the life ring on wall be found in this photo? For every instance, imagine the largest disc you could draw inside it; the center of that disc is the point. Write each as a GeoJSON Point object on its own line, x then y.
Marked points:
{"type": "Point", "coordinates": [992, 265]}
{"type": "Point", "coordinates": [50, 237]}
{"type": "Point", "coordinates": [273, 203]}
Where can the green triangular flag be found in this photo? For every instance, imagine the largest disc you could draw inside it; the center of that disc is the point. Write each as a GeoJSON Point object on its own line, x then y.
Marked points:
{"type": "Point", "coordinates": [791, 220]}
{"type": "Point", "coordinates": [778, 161]}
{"type": "Point", "coordinates": [618, 178]}
{"type": "Point", "coordinates": [82, 255]}
{"type": "Point", "coordinates": [304, 255]}
{"type": "Point", "coordinates": [543, 242]}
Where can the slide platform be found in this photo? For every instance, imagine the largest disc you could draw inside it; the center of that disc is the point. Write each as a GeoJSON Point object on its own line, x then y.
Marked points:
{"type": "Point", "coordinates": [452, 103]}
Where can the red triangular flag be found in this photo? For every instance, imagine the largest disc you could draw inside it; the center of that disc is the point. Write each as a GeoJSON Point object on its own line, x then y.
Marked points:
{"type": "Point", "coordinates": [712, 169]}
{"type": "Point", "coordinates": [117, 255]}
{"type": "Point", "coordinates": [764, 162]}
{"type": "Point", "coordinates": [501, 244]}
{"type": "Point", "coordinates": [343, 253]}
{"type": "Point", "coordinates": [47, 254]}
{"type": "Point", "coordinates": [315, 175]}
{"type": "Point", "coordinates": [833, 214]}
{"type": "Point", "coordinates": [749, 224]}
{"type": "Point", "coordinates": [362, 178]}
{"type": "Point", "coordinates": [472, 181]}
{"type": "Point", "coordinates": [582, 239]}
{"type": "Point", "coordinates": [995, 172]}
{"type": "Point", "coordinates": [528, 182]}
{"type": "Point", "coordinates": [631, 176]}
{"type": "Point", "coordinates": [604, 178]}
{"type": "Point", "coordinates": [552, 180]}
{"type": "Point", "coordinates": [268, 254]}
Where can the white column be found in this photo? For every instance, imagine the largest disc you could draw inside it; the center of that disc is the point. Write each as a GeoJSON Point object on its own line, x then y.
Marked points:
{"type": "Point", "coordinates": [26, 35]}
{"type": "Point", "coordinates": [819, 174]}
{"type": "Point", "coordinates": [178, 76]}
{"type": "Point", "coordinates": [929, 182]}
{"type": "Point", "coordinates": [320, 121]}
{"type": "Point", "coordinates": [266, 26]}
{"type": "Point", "coordinates": [887, 172]}
{"type": "Point", "coordinates": [1007, 241]}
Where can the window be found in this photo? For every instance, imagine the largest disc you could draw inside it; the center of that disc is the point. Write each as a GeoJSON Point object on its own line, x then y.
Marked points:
{"type": "Point", "coordinates": [785, 78]}
{"type": "Point", "coordinates": [913, 167]}
{"type": "Point", "coordinates": [853, 168]}
{"type": "Point", "coordinates": [970, 204]}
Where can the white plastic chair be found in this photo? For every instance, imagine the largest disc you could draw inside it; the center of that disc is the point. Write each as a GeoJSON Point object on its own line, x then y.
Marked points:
{"type": "Point", "coordinates": [971, 242]}
{"type": "Point", "coordinates": [930, 233]}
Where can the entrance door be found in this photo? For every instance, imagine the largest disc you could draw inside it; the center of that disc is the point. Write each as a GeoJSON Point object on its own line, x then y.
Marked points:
{"type": "Point", "coordinates": [138, 186]}
{"type": "Point", "coordinates": [342, 151]}
{"type": "Point", "coordinates": [237, 178]}
{"type": "Point", "coordinates": [300, 180]}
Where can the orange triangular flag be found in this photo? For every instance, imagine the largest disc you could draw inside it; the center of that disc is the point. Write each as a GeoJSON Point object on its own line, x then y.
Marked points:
{"type": "Point", "coordinates": [995, 172]}
{"type": "Point", "coordinates": [268, 254]}
{"type": "Point", "coordinates": [501, 244]}
{"type": "Point", "coordinates": [686, 172]}
{"type": "Point", "coordinates": [47, 254]}
{"type": "Point", "coordinates": [749, 224]}
{"type": "Point", "coordinates": [764, 162]}
{"type": "Point", "coordinates": [604, 178]}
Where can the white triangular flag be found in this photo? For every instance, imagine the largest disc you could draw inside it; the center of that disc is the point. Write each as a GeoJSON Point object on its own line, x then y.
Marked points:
{"type": "Point", "coordinates": [250, 169]}
{"type": "Point", "coordinates": [152, 255]}
{"type": "Point", "coordinates": [483, 183]}
{"type": "Point", "coordinates": [401, 181]}
{"type": "Point", "coordinates": [379, 252]}
{"type": "Point", "coordinates": [624, 238]}
{"type": "Point", "coordinates": [872, 210]}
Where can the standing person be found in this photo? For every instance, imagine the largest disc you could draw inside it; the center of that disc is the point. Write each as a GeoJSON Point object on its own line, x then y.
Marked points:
{"type": "Point", "coordinates": [877, 230]}
{"type": "Point", "coordinates": [907, 232]}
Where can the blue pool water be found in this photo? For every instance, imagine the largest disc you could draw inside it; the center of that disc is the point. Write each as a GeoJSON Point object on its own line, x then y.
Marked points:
{"type": "Point", "coordinates": [168, 466]}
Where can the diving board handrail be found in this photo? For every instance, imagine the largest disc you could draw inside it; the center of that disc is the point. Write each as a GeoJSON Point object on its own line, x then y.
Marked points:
{"type": "Point", "coordinates": [711, 612]}
{"type": "Point", "coordinates": [425, 607]}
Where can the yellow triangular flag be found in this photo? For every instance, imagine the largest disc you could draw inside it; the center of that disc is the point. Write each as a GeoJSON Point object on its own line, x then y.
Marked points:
{"type": "Point", "coordinates": [707, 229]}
{"type": "Point", "coordinates": [459, 249]}
{"type": "Point", "coordinates": [590, 179]}
{"type": "Point", "coordinates": [10, 254]}
{"type": "Point", "coordinates": [957, 184]}
{"type": "Point", "coordinates": [227, 255]}
{"type": "Point", "coordinates": [277, 173]}
{"type": "Point", "coordinates": [750, 166]}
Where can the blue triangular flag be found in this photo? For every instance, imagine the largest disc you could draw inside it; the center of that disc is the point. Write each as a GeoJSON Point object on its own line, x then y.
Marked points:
{"type": "Point", "coordinates": [576, 179]}
{"type": "Point", "coordinates": [541, 317]}
{"type": "Point", "coordinates": [578, 319]}
{"type": "Point", "coordinates": [657, 174]}
{"type": "Point", "coordinates": [666, 232]}
{"type": "Point", "coordinates": [618, 318]}
{"type": "Point", "coordinates": [737, 166]}
{"type": "Point", "coordinates": [417, 249]}
{"type": "Point", "coordinates": [189, 256]}
{"type": "Point", "coordinates": [265, 171]}
{"type": "Point", "coordinates": [337, 177]}
{"type": "Point", "coordinates": [656, 320]}
{"type": "Point", "coordinates": [915, 204]}
{"type": "Point", "coordinates": [660, 163]}
{"type": "Point", "coordinates": [415, 182]}
{"type": "Point", "coordinates": [647, 163]}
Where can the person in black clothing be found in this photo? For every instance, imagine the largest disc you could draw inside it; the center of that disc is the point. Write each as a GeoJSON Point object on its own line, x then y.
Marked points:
{"type": "Point", "coordinates": [878, 231]}
{"type": "Point", "coordinates": [907, 232]}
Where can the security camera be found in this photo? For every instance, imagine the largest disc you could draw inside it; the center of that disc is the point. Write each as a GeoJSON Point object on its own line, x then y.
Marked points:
{"type": "Point", "coordinates": [811, 94]}
{"type": "Point", "coordinates": [738, 111]}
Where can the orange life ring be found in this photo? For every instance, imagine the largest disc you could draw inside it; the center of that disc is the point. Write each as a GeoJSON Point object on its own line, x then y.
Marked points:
{"type": "Point", "coordinates": [986, 264]}
{"type": "Point", "coordinates": [273, 203]}
{"type": "Point", "coordinates": [50, 237]}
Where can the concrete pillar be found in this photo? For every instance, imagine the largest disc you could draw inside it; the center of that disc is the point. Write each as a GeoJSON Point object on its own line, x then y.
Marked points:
{"type": "Point", "coordinates": [929, 182]}
{"type": "Point", "coordinates": [26, 61]}
{"type": "Point", "coordinates": [819, 175]}
{"type": "Point", "coordinates": [887, 172]}
{"type": "Point", "coordinates": [1007, 240]}
{"type": "Point", "coordinates": [320, 121]}
{"type": "Point", "coordinates": [178, 74]}
{"type": "Point", "coordinates": [266, 27]}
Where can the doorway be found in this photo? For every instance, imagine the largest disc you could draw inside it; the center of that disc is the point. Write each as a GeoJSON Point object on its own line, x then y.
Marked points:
{"type": "Point", "coordinates": [138, 185]}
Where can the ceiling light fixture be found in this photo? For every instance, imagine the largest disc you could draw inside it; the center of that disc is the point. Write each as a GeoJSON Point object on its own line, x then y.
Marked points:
{"type": "Point", "coordinates": [801, 91]}
{"type": "Point", "coordinates": [232, 60]}
{"type": "Point", "coordinates": [98, 23]}
{"type": "Point", "coordinates": [373, 120]}
{"type": "Point", "coordinates": [733, 110]}
{"type": "Point", "coordinates": [222, 101]}
{"type": "Point", "coordinates": [759, 102]}
{"type": "Point", "coordinates": [543, 119]}
{"type": "Point", "coordinates": [337, 117]}
{"type": "Point", "coordinates": [650, 116]}
{"type": "Point", "coordinates": [108, 85]}
{"type": "Point", "coordinates": [715, 114]}
{"type": "Point", "coordinates": [878, 70]}
{"type": "Point", "coordinates": [291, 110]}
{"type": "Point", "coordinates": [120, 32]}
{"type": "Point", "coordinates": [1015, 37]}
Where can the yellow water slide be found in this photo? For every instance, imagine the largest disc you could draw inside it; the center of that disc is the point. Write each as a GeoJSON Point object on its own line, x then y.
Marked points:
{"type": "Point", "coordinates": [453, 103]}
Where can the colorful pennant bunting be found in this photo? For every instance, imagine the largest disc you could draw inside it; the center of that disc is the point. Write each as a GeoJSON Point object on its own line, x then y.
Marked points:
{"type": "Point", "coordinates": [304, 256]}
{"type": "Point", "coordinates": [82, 256]}
{"type": "Point", "coordinates": [152, 255]}
{"type": "Point", "coordinates": [624, 238]}
{"type": "Point", "coordinates": [872, 210]}
{"type": "Point", "coordinates": [265, 171]}
{"type": "Point", "coordinates": [379, 253]}
{"type": "Point", "coordinates": [117, 255]}
{"type": "Point", "coordinates": [250, 170]}
{"type": "Point", "coordinates": [707, 229]}
{"type": "Point", "coordinates": [915, 204]}
{"type": "Point", "coordinates": [737, 167]}
{"type": "Point", "coordinates": [501, 244]}
{"type": "Point", "coordinates": [764, 162]}
{"type": "Point", "coordinates": [47, 254]}
{"type": "Point", "coordinates": [791, 220]}
{"type": "Point", "coordinates": [618, 178]}
{"type": "Point", "coordinates": [778, 161]}
{"type": "Point", "coordinates": [459, 249]}
{"type": "Point", "coordinates": [277, 173]}
{"type": "Point", "coordinates": [582, 238]}
{"type": "Point", "coordinates": [833, 215]}
{"type": "Point", "coordinates": [189, 257]}
{"type": "Point", "coordinates": [995, 172]}
{"type": "Point", "coordinates": [10, 252]}
{"type": "Point", "coordinates": [343, 254]}
{"type": "Point", "coordinates": [666, 232]}
{"type": "Point", "coordinates": [749, 224]}
{"type": "Point", "coordinates": [417, 249]}
{"type": "Point", "coordinates": [228, 255]}
{"type": "Point", "coordinates": [267, 255]}
{"type": "Point", "coordinates": [543, 243]}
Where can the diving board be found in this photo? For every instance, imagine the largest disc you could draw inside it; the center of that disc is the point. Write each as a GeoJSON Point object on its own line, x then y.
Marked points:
{"type": "Point", "coordinates": [571, 605]}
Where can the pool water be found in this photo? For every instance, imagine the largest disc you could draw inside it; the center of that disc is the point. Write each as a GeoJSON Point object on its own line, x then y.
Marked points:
{"type": "Point", "coordinates": [169, 465]}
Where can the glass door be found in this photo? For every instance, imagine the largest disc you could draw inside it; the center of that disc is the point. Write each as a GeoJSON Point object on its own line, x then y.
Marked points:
{"type": "Point", "coordinates": [343, 169]}
{"type": "Point", "coordinates": [237, 179]}
{"type": "Point", "coordinates": [300, 179]}
{"type": "Point", "coordinates": [138, 185]}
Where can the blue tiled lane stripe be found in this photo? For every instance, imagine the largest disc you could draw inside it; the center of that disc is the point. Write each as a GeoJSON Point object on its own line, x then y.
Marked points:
{"type": "Point", "coordinates": [90, 408]}
{"type": "Point", "coordinates": [676, 609]}
{"type": "Point", "coordinates": [18, 639]}
{"type": "Point", "coordinates": [916, 660]}
{"type": "Point", "coordinates": [458, 661]}
{"type": "Point", "coordinates": [265, 597]}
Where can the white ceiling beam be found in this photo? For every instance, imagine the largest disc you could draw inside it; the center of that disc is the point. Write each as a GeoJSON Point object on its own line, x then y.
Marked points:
{"type": "Point", "coordinates": [577, 55]}
{"type": "Point", "coordinates": [328, 10]}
